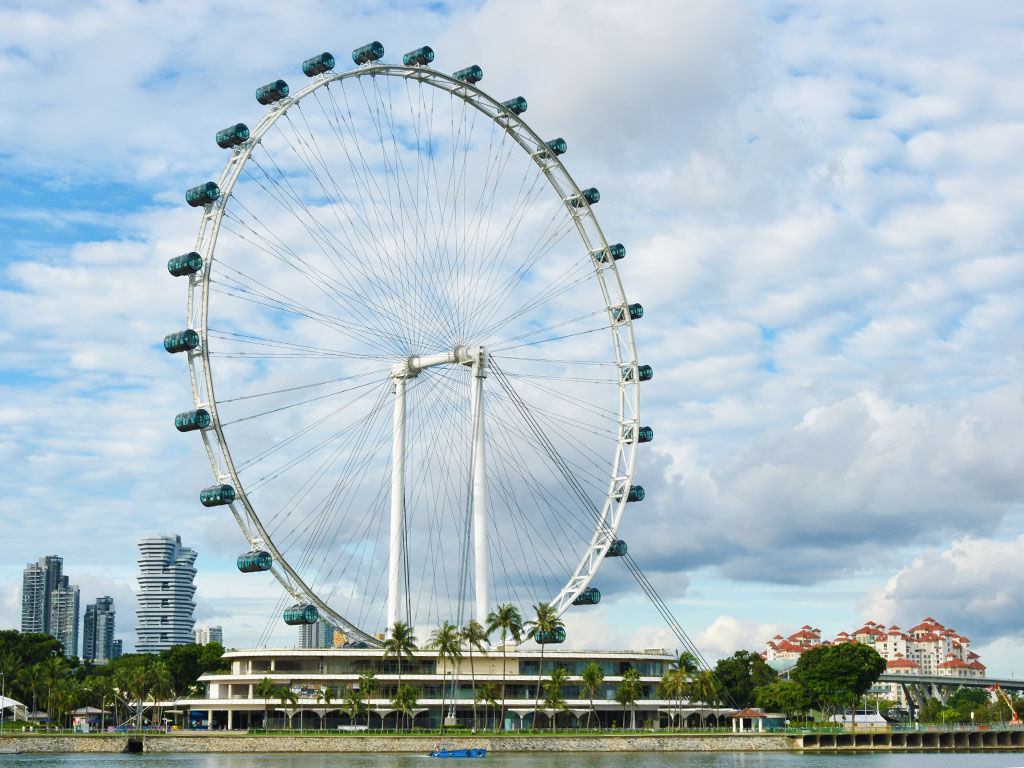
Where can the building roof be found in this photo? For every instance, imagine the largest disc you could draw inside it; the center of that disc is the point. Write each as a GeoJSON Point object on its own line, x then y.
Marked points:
{"type": "Point", "coordinates": [903, 663]}
{"type": "Point", "coordinates": [748, 712]}
{"type": "Point", "coordinates": [952, 664]}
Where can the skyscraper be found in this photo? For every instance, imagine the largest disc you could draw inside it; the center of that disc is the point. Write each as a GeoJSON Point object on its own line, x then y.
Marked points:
{"type": "Point", "coordinates": [317, 635]}
{"type": "Point", "coordinates": [37, 586]}
{"type": "Point", "coordinates": [166, 571]}
{"type": "Point", "coordinates": [205, 635]}
{"type": "Point", "coordinates": [64, 616]}
{"type": "Point", "coordinates": [117, 648]}
{"type": "Point", "coordinates": [98, 637]}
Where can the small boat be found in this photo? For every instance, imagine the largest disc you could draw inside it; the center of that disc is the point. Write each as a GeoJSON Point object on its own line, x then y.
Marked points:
{"type": "Point", "coordinates": [446, 749]}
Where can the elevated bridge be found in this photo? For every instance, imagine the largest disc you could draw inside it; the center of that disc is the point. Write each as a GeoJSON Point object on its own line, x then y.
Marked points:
{"type": "Point", "coordinates": [919, 688]}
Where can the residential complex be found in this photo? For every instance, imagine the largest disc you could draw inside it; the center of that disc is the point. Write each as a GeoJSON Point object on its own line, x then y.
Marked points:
{"type": "Point", "coordinates": [49, 603]}
{"type": "Point", "coordinates": [117, 649]}
{"type": "Point", "coordinates": [98, 634]}
{"type": "Point", "coordinates": [166, 591]}
{"type": "Point", "coordinates": [230, 700]}
{"type": "Point", "coordinates": [207, 635]}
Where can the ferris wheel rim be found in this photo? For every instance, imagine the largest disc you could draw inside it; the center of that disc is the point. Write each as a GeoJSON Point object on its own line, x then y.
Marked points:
{"type": "Point", "coordinates": [201, 370]}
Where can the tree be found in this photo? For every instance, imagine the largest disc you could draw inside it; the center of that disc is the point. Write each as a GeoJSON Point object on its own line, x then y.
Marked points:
{"type": "Point", "coordinates": [838, 674]}
{"type": "Point", "coordinates": [405, 699]}
{"type": "Point", "coordinates": [354, 703]}
{"type": "Point", "coordinates": [447, 641]}
{"type": "Point", "coordinates": [488, 693]}
{"type": "Point", "coordinates": [368, 685]}
{"type": "Point", "coordinates": [264, 689]}
{"type": "Point", "coordinates": [162, 687]}
{"type": "Point", "coordinates": [786, 697]}
{"type": "Point", "coordinates": [675, 686]}
{"type": "Point", "coordinates": [287, 696]}
{"type": "Point", "coordinates": [54, 670]}
{"type": "Point", "coordinates": [622, 696]}
{"type": "Point", "coordinates": [474, 636]}
{"type": "Point", "coordinates": [686, 662]}
{"type": "Point", "coordinates": [740, 674]}
{"type": "Point", "coordinates": [592, 678]}
{"type": "Point", "coordinates": [545, 621]}
{"type": "Point", "coordinates": [631, 681]}
{"type": "Point", "coordinates": [553, 698]}
{"type": "Point", "coordinates": [326, 696]}
{"type": "Point", "coordinates": [32, 678]}
{"type": "Point", "coordinates": [401, 642]}
{"type": "Point", "coordinates": [506, 619]}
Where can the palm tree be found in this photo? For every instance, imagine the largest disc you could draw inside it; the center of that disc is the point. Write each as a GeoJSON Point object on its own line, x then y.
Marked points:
{"type": "Point", "coordinates": [405, 698]}
{"type": "Point", "coordinates": [474, 636]}
{"type": "Point", "coordinates": [139, 683]}
{"type": "Point", "coordinates": [705, 688]}
{"type": "Point", "coordinates": [544, 622]}
{"type": "Point", "coordinates": [162, 686]}
{"type": "Point", "coordinates": [326, 696]}
{"type": "Point", "coordinates": [287, 696]}
{"type": "Point", "coordinates": [507, 619]}
{"type": "Point", "coordinates": [353, 703]}
{"type": "Point", "coordinates": [264, 689]}
{"type": "Point", "coordinates": [675, 686]}
{"type": "Point", "coordinates": [686, 662]}
{"type": "Point", "coordinates": [401, 642]}
{"type": "Point", "coordinates": [553, 699]}
{"type": "Point", "coordinates": [33, 680]}
{"type": "Point", "coordinates": [368, 685]}
{"type": "Point", "coordinates": [592, 678]}
{"type": "Point", "coordinates": [622, 697]}
{"type": "Point", "coordinates": [54, 670]}
{"type": "Point", "coordinates": [447, 641]}
{"type": "Point", "coordinates": [631, 680]}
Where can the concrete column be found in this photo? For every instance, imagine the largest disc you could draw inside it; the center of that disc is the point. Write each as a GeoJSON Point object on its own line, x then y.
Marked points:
{"type": "Point", "coordinates": [741, 723]}
{"type": "Point", "coordinates": [760, 725]}
{"type": "Point", "coordinates": [231, 719]}
{"type": "Point", "coordinates": [210, 721]}
{"type": "Point", "coordinates": [734, 725]}
{"type": "Point", "coordinates": [273, 665]}
{"type": "Point", "coordinates": [252, 690]}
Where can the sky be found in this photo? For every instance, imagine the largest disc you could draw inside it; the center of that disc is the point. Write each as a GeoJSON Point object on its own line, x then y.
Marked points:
{"type": "Point", "coordinates": [820, 202]}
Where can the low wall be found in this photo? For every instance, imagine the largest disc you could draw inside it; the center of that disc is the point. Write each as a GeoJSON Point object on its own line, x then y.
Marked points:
{"type": "Point", "coordinates": [216, 742]}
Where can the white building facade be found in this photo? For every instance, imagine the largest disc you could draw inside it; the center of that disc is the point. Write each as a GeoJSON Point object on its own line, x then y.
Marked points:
{"type": "Point", "coordinates": [166, 594]}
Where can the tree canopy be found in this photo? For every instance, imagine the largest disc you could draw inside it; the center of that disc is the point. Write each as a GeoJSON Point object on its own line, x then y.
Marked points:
{"type": "Point", "coordinates": [739, 674]}
{"type": "Point", "coordinates": [838, 675]}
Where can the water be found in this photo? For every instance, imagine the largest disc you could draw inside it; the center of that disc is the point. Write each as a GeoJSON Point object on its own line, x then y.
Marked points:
{"type": "Point", "coordinates": [531, 760]}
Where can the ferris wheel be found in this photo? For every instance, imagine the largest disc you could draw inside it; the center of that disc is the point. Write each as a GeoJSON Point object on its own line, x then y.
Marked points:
{"type": "Point", "coordinates": [411, 355]}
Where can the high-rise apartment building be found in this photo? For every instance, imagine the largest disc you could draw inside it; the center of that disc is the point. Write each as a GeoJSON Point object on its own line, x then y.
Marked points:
{"type": "Point", "coordinates": [37, 586]}
{"type": "Point", "coordinates": [117, 649]}
{"type": "Point", "coordinates": [317, 635]}
{"type": "Point", "coordinates": [166, 591]}
{"type": "Point", "coordinates": [64, 616]}
{"type": "Point", "coordinates": [98, 634]}
{"type": "Point", "coordinates": [207, 635]}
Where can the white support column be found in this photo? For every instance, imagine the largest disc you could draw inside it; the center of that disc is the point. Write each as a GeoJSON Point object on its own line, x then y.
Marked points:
{"type": "Point", "coordinates": [397, 501]}
{"type": "Point", "coordinates": [479, 489]}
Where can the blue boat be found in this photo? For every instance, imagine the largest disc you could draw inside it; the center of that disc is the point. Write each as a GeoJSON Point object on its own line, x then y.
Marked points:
{"type": "Point", "coordinates": [446, 750]}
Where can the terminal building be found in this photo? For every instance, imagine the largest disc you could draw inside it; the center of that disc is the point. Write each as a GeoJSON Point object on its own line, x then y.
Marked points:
{"type": "Point", "coordinates": [231, 702]}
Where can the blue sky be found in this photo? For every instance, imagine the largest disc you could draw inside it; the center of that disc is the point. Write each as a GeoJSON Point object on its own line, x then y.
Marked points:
{"type": "Point", "coordinates": [821, 206]}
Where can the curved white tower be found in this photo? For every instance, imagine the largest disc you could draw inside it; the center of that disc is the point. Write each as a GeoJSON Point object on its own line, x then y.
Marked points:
{"type": "Point", "coordinates": [166, 571]}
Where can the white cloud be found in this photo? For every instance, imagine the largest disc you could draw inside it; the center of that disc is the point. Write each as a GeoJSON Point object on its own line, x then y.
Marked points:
{"type": "Point", "coordinates": [727, 634]}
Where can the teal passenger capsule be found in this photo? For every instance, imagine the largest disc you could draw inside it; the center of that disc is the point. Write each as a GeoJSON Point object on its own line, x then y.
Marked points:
{"type": "Point", "coordinates": [557, 635]}
{"type": "Point", "coordinates": [216, 495]}
{"type": "Point", "coordinates": [189, 421]}
{"type": "Point", "coordinates": [301, 614]}
{"type": "Point", "coordinates": [470, 74]}
{"type": "Point", "coordinates": [186, 264]}
{"type": "Point", "coordinates": [636, 311]}
{"type": "Point", "coordinates": [636, 493]}
{"type": "Point", "coordinates": [364, 54]}
{"type": "Point", "coordinates": [644, 373]}
{"type": "Point", "coordinates": [318, 65]}
{"type": "Point", "coordinates": [612, 253]}
{"type": "Point", "coordinates": [557, 146]}
{"type": "Point", "coordinates": [232, 136]}
{"type": "Point", "coordinates": [182, 341]}
{"type": "Point", "coordinates": [591, 195]}
{"type": "Point", "coordinates": [589, 596]}
{"type": "Point", "coordinates": [204, 194]}
{"type": "Point", "coordinates": [253, 562]}
{"type": "Point", "coordinates": [419, 57]}
{"type": "Point", "coordinates": [645, 435]}
{"type": "Point", "coordinates": [617, 548]}
{"type": "Point", "coordinates": [516, 106]}
{"type": "Point", "coordinates": [271, 92]}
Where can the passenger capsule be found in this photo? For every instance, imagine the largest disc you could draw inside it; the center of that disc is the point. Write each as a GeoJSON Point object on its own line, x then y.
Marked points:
{"type": "Point", "coordinates": [189, 421]}
{"type": "Point", "coordinates": [636, 311]}
{"type": "Point", "coordinates": [364, 54]}
{"type": "Point", "coordinates": [470, 74]}
{"type": "Point", "coordinates": [232, 136]}
{"type": "Point", "coordinates": [557, 146]}
{"type": "Point", "coordinates": [516, 106]}
{"type": "Point", "coordinates": [645, 435]}
{"type": "Point", "coordinates": [557, 635]}
{"type": "Point", "coordinates": [271, 92]}
{"type": "Point", "coordinates": [636, 493]}
{"type": "Point", "coordinates": [253, 562]}
{"type": "Point", "coordinates": [617, 549]}
{"type": "Point", "coordinates": [182, 341]}
{"type": "Point", "coordinates": [204, 194]}
{"type": "Point", "coordinates": [616, 252]}
{"type": "Point", "coordinates": [301, 614]}
{"type": "Point", "coordinates": [318, 65]}
{"type": "Point", "coordinates": [186, 264]}
{"type": "Point", "coordinates": [591, 195]}
{"type": "Point", "coordinates": [419, 57]}
{"type": "Point", "coordinates": [216, 495]}
{"type": "Point", "coordinates": [644, 373]}
{"type": "Point", "coordinates": [589, 596]}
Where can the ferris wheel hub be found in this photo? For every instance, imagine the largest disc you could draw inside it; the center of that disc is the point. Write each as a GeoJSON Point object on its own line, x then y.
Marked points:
{"type": "Point", "coordinates": [461, 355]}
